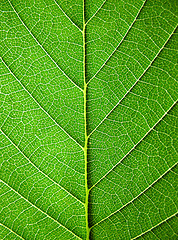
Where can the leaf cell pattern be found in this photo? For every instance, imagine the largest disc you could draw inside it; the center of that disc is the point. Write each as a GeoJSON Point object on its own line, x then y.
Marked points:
{"type": "Point", "coordinates": [88, 119]}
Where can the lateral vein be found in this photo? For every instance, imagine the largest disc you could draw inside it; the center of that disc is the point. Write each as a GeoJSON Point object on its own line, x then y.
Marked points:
{"type": "Point", "coordinates": [118, 44]}
{"type": "Point", "coordinates": [12, 231]}
{"type": "Point", "coordinates": [145, 190]}
{"type": "Point", "coordinates": [38, 168]}
{"type": "Point", "coordinates": [95, 12]}
{"type": "Point", "coordinates": [67, 16]}
{"type": "Point", "coordinates": [155, 226]}
{"type": "Point", "coordinates": [40, 105]}
{"type": "Point", "coordinates": [42, 46]}
{"type": "Point", "coordinates": [134, 146]}
{"type": "Point", "coordinates": [161, 49]}
{"type": "Point", "coordinates": [39, 209]}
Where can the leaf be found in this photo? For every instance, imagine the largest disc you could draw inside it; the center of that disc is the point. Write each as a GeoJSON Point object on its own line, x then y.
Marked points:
{"type": "Point", "coordinates": [88, 119]}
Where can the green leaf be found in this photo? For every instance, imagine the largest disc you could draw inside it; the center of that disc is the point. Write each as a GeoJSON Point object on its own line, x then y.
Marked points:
{"type": "Point", "coordinates": [88, 119]}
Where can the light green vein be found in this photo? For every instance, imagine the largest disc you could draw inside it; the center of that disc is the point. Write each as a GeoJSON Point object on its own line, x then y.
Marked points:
{"type": "Point", "coordinates": [42, 46]}
{"type": "Point", "coordinates": [155, 226]}
{"type": "Point", "coordinates": [134, 146]}
{"type": "Point", "coordinates": [125, 205]}
{"type": "Point", "coordinates": [85, 121]}
{"type": "Point", "coordinates": [40, 105]}
{"type": "Point", "coordinates": [12, 231]}
{"type": "Point", "coordinates": [67, 16]}
{"type": "Point", "coordinates": [95, 12]}
{"type": "Point", "coordinates": [137, 80]}
{"type": "Point", "coordinates": [118, 44]}
{"type": "Point", "coordinates": [39, 169]}
{"type": "Point", "coordinates": [39, 209]}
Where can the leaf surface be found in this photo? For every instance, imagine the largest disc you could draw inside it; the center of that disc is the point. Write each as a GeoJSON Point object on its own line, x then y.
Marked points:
{"type": "Point", "coordinates": [88, 119]}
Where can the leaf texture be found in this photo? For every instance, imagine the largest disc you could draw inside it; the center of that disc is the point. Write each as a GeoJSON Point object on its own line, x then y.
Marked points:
{"type": "Point", "coordinates": [88, 119]}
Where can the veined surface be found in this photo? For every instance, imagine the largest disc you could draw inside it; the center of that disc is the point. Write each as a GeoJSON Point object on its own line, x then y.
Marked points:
{"type": "Point", "coordinates": [88, 119]}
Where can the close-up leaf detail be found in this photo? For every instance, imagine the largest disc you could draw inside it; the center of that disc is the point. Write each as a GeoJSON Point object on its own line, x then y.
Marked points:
{"type": "Point", "coordinates": [88, 115]}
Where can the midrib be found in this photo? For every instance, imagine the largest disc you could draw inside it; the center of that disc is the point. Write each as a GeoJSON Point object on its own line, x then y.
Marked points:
{"type": "Point", "coordinates": [85, 122]}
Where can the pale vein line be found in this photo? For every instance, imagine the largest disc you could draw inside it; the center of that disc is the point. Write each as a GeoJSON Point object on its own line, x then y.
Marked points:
{"type": "Point", "coordinates": [95, 12]}
{"type": "Point", "coordinates": [12, 231]}
{"type": "Point", "coordinates": [155, 236]}
{"type": "Point", "coordinates": [23, 154]}
{"type": "Point", "coordinates": [134, 83]}
{"type": "Point", "coordinates": [85, 123]}
{"type": "Point", "coordinates": [157, 225]}
{"type": "Point", "coordinates": [118, 44]}
{"type": "Point", "coordinates": [40, 105]}
{"type": "Point", "coordinates": [39, 209]}
{"type": "Point", "coordinates": [134, 145]}
{"type": "Point", "coordinates": [43, 47]}
{"type": "Point", "coordinates": [67, 16]}
{"type": "Point", "coordinates": [146, 189]}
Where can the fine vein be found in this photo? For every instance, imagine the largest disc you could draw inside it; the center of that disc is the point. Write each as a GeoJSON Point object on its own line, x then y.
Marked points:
{"type": "Point", "coordinates": [39, 104]}
{"type": "Point", "coordinates": [141, 193]}
{"type": "Point", "coordinates": [137, 80]}
{"type": "Point", "coordinates": [134, 146]}
{"type": "Point", "coordinates": [67, 16]}
{"type": "Point", "coordinates": [118, 44]}
{"type": "Point", "coordinates": [42, 46]}
{"type": "Point", "coordinates": [12, 231]}
{"type": "Point", "coordinates": [39, 209]}
{"type": "Point", "coordinates": [38, 168]}
{"type": "Point", "coordinates": [95, 13]}
{"type": "Point", "coordinates": [165, 220]}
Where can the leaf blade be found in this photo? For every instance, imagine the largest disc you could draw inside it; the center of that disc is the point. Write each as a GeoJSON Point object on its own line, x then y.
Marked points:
{"type": "Point", "coordinates": [88, 119]}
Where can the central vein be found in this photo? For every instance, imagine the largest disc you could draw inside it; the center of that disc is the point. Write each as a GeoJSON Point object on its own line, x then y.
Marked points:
{"type": "Point", "coordinates": [85, 122]}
